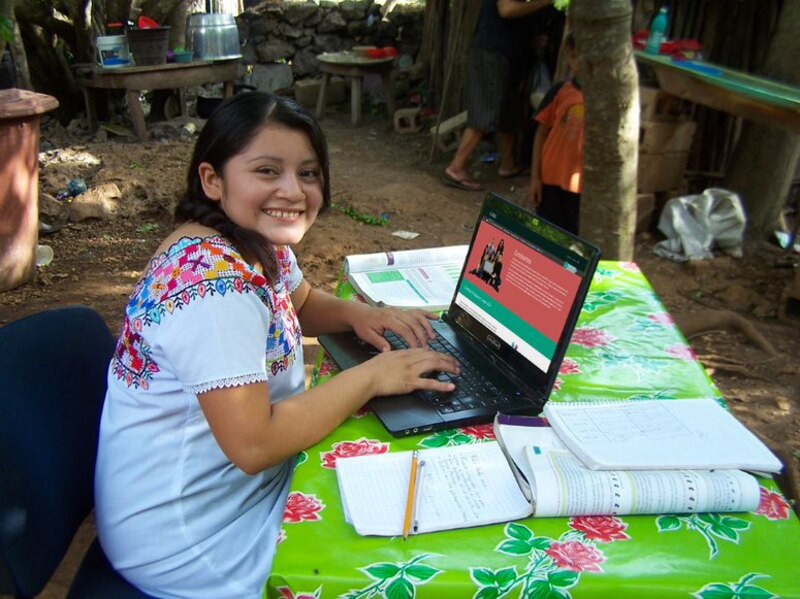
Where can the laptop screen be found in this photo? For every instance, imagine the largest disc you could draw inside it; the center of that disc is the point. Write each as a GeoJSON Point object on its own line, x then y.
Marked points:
{"type": "Point", "coordinates": [522, 288]}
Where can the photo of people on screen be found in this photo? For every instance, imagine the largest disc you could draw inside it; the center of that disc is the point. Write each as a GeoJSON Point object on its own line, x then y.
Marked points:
{"type": "Point", "coordinates": [491, 264]}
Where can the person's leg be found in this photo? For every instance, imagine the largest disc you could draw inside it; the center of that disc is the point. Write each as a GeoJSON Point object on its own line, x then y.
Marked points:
{"type": "Point", "coordinates": [508, 162]}
{"type": "Point", "coordinates": [486, 73]}
{"type": "Point", "coordinates": [510, 121]}
{"type": "Point", "coordinates": [572, 210]}
{"type": "Point", "coordinates": [551, 208]}
{"type": "Point", "coordinates": [457, 169]}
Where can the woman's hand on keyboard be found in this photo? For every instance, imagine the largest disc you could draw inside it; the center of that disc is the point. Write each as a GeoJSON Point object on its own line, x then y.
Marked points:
{"type": "Point", "coordinates": [403, 371]}
{"type": "Point", "coordinates": [412, 325]}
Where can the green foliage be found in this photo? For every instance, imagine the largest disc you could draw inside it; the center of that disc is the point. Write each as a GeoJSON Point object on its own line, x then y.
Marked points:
{"type": "Point", "coordinates": [561, 5]}
{"type": "Point", "coordinates": [362, 217]}
{"type": "Point", "coordinates": [6, 30]}
{"type": "Point", "coordinates": [147, 228]}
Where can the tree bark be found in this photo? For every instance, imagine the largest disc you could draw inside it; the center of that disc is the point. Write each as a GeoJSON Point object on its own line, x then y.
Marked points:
{"type": "Point", "coordinates": [611, 89]}
{"type": "Point", "coordinates": [433, 48]}
{"type": "Point", "coordinates": [765, 159]}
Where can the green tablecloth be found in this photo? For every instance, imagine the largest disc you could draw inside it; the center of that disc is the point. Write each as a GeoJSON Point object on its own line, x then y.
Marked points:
{"type": "Point", "coordinates": [625, 346]}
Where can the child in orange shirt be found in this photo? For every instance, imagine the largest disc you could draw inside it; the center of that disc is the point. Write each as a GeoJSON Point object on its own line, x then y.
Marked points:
{"type": "Point", "coordinates": [557, 164]}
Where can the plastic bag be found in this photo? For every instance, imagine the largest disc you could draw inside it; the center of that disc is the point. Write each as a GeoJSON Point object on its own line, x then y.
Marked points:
{"type": "Point", "coordinates": [540, 83]}
{"type": "Point", "coordinates": [695, 225]}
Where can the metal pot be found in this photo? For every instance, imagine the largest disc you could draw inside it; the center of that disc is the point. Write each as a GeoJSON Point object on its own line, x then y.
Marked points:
{"type": "Point", "coordinates": [212, 36]}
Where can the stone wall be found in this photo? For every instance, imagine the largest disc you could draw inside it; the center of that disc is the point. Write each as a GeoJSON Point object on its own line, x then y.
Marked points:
{"type": "Point", "coordinates": [282, 38]}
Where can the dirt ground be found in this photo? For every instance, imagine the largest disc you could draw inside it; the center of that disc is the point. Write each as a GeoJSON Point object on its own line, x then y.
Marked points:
{"type": "Point", "coordinates": [376, 173]}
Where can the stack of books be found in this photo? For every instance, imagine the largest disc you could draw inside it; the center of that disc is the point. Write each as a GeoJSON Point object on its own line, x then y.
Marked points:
{"type": "Point", "coordinates": [584, 459]}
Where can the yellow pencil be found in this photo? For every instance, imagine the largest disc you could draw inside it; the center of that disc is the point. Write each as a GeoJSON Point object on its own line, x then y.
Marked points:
{"type": "Point", "coordinates": [412, 495]}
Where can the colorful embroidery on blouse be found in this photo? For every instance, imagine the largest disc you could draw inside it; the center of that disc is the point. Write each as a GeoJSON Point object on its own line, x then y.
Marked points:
{"type": "Point", "coordinates": [189, 271]}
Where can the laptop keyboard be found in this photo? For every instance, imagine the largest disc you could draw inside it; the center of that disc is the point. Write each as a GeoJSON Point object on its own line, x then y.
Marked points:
{"type": "Point", "coordinates": [472, 389]}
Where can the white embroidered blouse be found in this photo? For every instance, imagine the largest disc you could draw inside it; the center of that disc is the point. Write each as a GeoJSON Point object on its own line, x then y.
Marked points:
{"type": "Point", "coordinates": [174, 515]}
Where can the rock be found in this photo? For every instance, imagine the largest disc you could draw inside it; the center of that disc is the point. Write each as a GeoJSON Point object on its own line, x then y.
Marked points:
{"type": "Point", "coordinates": [271, 77]}
{"type": "Point", "coordinates": [305, 63]}
{"type": "Point", "coordinates": [355, 9]}
{"type": "Point", "coordinates": [297, 12]}
{"type": "Point", "coordinates": [289, 31]}
{"type": "Point", "coordinates": [274, 50]}
{"type": "Point", "coordinates": [331, 23]}
{"type": "Point", "coordinates": [98, 202]}
{"type": "Point", "coordinates": [49, 207]}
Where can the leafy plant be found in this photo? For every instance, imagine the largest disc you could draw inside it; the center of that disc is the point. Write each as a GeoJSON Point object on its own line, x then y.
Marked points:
{"type": "Point", "coordinates": [362, 217]}
{"type": "Point", "coordinates": [6, 29]}
{"type": "Point", "coordinates": [147, 228]}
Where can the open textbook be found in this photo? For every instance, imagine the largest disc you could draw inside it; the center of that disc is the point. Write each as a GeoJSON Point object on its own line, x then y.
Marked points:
{"type": "Point", "coordinates": [424, 278]}
{"type": "Point", "coordinates": [527, 473]}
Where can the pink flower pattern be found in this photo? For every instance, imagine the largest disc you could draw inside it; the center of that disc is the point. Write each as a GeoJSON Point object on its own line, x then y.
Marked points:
{"type": "Point", "coordinates": [662, 318]}
{"type": "Point", "coordinates": [569, 366]}
{"type": "Point", "coordinates": [576, 556]}
{"type": "Point", "coordinates": [682, 352]}
{"type": "Point", "coordinates": [591, 338]}
{"type": "Point", "coordinates": [348, 449]}
{"type": "Point", "coordinates": [302, 508]}
{"type": "Point", "coordinates": [602, 529]}
{"type": "Point", "coordinates": [773, 505]}
{"type": "Point", "coordinates": [630, 266]}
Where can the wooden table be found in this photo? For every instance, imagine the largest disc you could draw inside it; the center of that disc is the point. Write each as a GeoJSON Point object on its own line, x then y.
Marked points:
{"type": "Point", "coordinates": [735, 92]}
{"type": "Point", "coordinates": [164, 76]}
{"type": "Point", "coordinates": [355, 67]}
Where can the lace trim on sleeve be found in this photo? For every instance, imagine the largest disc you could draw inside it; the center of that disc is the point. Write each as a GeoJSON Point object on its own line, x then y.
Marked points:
{"type": "Point", "coordinates": [295, 284]}
{"type": "Point", "coordinates": [236, 381]}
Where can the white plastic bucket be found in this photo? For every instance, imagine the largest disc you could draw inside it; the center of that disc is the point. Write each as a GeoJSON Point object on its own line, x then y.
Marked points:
{"type": "Point", "coordinates": [112, 51]}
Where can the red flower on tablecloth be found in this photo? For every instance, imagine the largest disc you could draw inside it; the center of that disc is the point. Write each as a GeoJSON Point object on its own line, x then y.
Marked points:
{"type": "Point", "coordinates": [325, 368]}
{"type": "Point", "coordinates": [773, 505]}
{"type": "Point", "coordinates": [348, 449]}
{"type": "Point", "coordinates": [603, 529]}
{"type": "Point", "coordinates": [682, 352]}
{"type": "Point", "coordinates": [591, 338]}
{"type": "Point", "coordinates": [361, 412]}
{"type": "Point", "coordinates": [662, 318]}
{"type": "Point", "coordinates": [287, 593]}
{"type": "Point", "coordinates": [557, 384]}
{"type": "Point", "coordinates": [569, 366]}
{"type": "Point", "coordinates": [302, 508]}
{"type": "Point", "coordinates": [576, 556]}
{"type": "Point", "coordinates": [480, 432]}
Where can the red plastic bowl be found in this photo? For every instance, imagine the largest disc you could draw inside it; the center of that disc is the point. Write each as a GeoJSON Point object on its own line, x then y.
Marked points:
{"type": "Point", "coordinates": [376, 53]}
{"type": "Point", "coordinates": [147, 23]}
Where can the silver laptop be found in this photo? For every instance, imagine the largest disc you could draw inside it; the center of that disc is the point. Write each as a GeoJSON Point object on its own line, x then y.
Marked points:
{"type": "Point", "coordinates": [509, 324]}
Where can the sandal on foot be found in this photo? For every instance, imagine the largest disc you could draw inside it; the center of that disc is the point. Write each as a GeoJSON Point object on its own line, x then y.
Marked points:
{"type": "Point", "coordinates": [464, 184]}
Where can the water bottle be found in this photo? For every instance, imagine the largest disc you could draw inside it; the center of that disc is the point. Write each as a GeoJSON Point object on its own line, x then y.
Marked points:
{"type": "Point", "coordinates": [657, 32]}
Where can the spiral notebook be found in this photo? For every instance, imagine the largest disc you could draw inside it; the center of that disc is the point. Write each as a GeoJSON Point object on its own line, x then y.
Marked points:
{"type": "Point", "coordinates": [666, 434]}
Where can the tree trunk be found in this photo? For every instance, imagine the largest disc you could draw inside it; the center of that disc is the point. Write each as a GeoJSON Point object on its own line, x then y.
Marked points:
{"type": "Point", "coordinates": [611, 89]}
{"type": "Point", "coordinates": [765, 159]}
{"type": "Point", "coordinates": [6, 12]}
{"type": "Point", "coordinates": [433, 48]}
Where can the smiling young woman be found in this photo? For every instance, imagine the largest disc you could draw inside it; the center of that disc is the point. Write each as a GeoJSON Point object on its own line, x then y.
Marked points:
{"type": "Point", "coordinates": [206, 405]}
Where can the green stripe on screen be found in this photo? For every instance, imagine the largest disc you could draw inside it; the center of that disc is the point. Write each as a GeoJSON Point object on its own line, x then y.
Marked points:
{"type": "Point", "coordinates": [508, 319]}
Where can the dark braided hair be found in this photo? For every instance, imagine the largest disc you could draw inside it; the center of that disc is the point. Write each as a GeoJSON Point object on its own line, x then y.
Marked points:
{"type": "Point", "coordinates": [227, 133]}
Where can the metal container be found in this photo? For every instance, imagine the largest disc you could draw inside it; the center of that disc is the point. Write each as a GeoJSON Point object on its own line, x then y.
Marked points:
{"type": "Point", "coordinates": [212, 36]}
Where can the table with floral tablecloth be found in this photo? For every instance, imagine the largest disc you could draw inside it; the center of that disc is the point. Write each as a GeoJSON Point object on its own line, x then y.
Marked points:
{"type": "Point", "coordinates": [625, 346]}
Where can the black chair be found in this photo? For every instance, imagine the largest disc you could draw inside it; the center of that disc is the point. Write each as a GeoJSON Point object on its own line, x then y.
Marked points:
{"type": "Point", "coordinates": [52, 384]}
